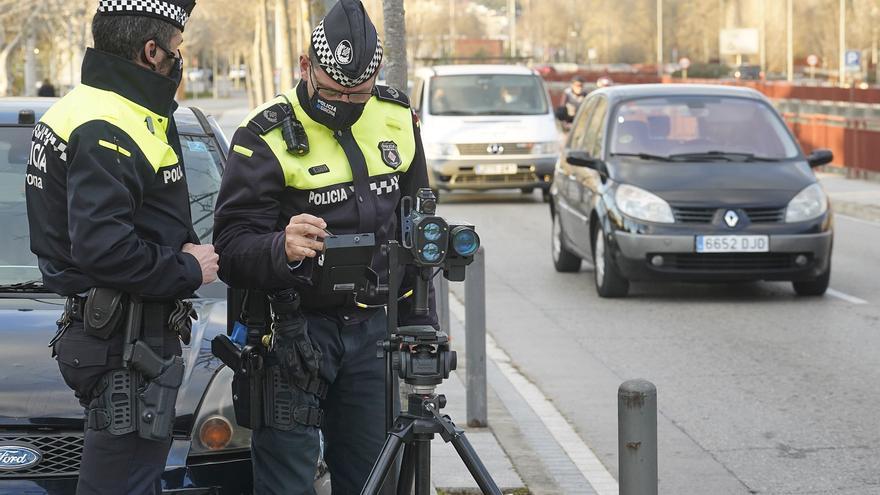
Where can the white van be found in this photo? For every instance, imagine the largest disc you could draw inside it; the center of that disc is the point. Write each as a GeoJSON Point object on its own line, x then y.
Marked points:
{"type": "Point", "coordinates": [486, 127]}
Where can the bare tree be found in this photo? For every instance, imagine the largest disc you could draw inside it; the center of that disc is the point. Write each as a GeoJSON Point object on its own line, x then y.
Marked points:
{"type": "Point", "coordinates": [395, 44]}
{"type": "Point", "coordinates": [283, 57]}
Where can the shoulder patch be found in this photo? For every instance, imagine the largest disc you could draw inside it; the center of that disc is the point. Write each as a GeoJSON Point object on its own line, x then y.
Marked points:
{"type": "Point", "coordinates": [393, 95]}
{"type": "Point", "coordinates": [268, 119]}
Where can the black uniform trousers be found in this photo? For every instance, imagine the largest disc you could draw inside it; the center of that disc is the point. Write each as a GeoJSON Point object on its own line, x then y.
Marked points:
{"type": "Point", "coordinates": [354, 415]}
{"type": "Point", "coordinates": [111, 464]}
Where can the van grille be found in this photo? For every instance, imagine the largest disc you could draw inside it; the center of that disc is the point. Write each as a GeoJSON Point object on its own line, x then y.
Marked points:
{"type": "Point", "coordinates": [505, 148]}
{"type": "Point", "coordinates": [701, 215]}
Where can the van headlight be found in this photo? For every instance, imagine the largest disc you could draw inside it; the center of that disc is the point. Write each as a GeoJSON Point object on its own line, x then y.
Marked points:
{"type": "Point", "coordinates": [547, 148]}
{"type": "Point", "coordinates": [440, 150]}
{"type": "Point", "coordinates": [810, 203]}
{"type": "Point", "coordinates": [640, 204]}
{"type": "Point", "coordinates": [215, 428]}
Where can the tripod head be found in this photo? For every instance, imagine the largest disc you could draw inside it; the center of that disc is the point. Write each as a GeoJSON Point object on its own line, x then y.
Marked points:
{"type": "Point", "coordinates": [422, 357]}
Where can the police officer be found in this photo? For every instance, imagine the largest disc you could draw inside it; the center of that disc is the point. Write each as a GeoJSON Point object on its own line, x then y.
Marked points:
{"type": "Point", "coordinates": [110, 223]}
{"type": "Point", "coordinates": [278, 203]}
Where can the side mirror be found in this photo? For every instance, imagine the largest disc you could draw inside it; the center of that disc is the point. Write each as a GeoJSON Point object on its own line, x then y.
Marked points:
{"type": "Point", "coordinates": [563, 116]}
{"type": "Point", "coordinates": [583, 159]}
{"type": "Point", "coordinates": [820, 157]}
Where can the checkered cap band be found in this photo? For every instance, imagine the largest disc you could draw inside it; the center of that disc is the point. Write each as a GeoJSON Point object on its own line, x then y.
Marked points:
{"type": "Point", "coordinates": [173, 13]}
{"type": "Point", "coordinates": [327, 60]}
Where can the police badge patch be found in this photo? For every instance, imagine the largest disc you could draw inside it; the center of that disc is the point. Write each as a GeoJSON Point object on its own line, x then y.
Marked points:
{"type": "Point", "coordinates": [390, 154]}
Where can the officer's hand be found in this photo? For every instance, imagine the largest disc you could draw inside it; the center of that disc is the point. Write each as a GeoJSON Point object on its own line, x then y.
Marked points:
{"type": "Point", "coordinates": [207, 258]}
{"type": "Point", "coordinates": [301, 237]}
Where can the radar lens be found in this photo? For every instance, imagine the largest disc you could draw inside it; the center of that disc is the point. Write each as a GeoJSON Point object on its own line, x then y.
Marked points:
{"type": "Point", "coordinates": [431, 253]}
{"type": "Point", "coordinates": [465, 242]}
{"type": "Point", "coordinates": [433, 232]}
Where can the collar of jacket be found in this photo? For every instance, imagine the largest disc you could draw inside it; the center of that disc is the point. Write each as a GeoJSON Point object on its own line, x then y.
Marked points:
{"type": "Point", "coordinates": [137, 84]}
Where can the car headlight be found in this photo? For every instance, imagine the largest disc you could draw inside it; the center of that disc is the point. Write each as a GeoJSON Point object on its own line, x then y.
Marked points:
{"type": "Point", "coordinates": [808, 204]}
{"type": "Point", "coordinates": [642, 205]}
{"type": "Point", "coordinates": [215, 428]}
{"type": "Point", "coordinates": [548, 148]}
{"type": "Point", "coordinates": [440, 150]}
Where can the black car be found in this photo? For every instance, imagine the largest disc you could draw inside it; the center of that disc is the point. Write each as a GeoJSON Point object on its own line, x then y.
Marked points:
{"type": "Point", "coordinates": [689, 183]}
{"type": "Point", "coordinates": [41, 423]}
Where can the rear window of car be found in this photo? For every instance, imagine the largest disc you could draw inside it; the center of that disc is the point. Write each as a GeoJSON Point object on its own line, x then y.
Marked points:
{"type": "Point", "coordinates": [700, 124]}
{"type": "Point", "coordinates": [487, 94]}
{"type": "Point", "coordinates": [202, 159]}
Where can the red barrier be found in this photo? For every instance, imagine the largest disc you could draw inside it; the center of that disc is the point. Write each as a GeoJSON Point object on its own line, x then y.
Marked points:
{"type": "Point", "coordinates": [854, 145]}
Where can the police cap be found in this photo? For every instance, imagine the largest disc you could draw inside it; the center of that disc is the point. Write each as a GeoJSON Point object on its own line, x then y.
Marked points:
{"type": "Point", "coordinates": [175, 12]}
{"type": "Point", "coordinates": [347, 45]}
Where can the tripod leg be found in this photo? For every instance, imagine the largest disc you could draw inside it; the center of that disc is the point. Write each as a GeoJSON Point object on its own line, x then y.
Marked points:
{"type": "Point", "coordinates": [383, 465]}
{"type": "Point", "coordinates": [407, 471]}
{"type": "Point", "coordinates": [423, 466]}
{"type": "Point", "coordinates": [475, 465]}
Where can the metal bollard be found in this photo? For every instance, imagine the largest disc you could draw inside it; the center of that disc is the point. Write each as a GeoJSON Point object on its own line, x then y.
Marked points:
{"type": "Point", "coordinates": [637, 437]}
{"type": "Point", "coordinates": [475, 340]}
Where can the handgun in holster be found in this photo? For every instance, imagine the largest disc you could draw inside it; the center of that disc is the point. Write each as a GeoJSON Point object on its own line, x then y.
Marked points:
{"type": "Point", "coordinates": [249, 363]}
{"type": "Point", "coordinates": [157, 380]}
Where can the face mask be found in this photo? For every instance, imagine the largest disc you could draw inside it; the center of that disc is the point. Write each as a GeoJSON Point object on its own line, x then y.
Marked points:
{"type": "Point", "coordinates": [334, 114]}
{"type": "Point", "coordinates": [176, 73]}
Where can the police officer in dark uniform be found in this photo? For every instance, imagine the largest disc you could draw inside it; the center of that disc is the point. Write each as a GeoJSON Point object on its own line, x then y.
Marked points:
{"type": "Point", "coordinates": [280, 199]}
{"type": "Point", "coordinates": [110, 222]}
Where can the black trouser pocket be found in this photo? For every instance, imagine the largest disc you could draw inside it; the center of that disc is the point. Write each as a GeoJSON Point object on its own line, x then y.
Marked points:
{"type": "Point", "coordinates": [83, 359]}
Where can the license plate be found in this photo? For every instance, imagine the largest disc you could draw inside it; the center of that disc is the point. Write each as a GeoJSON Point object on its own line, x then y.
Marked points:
{"type": "Point", "coordinates": [496, 169]}
{"type": "Point", "coordinates": [733, 244]}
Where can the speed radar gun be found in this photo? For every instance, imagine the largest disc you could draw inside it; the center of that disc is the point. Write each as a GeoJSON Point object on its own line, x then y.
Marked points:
{"type": "Point", "coordinates": [420, 355]}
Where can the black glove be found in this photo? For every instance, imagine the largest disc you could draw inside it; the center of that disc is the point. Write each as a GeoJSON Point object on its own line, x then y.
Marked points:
{"type": "Point", "coordinates": [293, 347]}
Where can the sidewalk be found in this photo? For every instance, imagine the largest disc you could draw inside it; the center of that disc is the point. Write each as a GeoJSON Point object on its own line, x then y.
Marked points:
{"type": "Point", "coordinates": [853, 197]}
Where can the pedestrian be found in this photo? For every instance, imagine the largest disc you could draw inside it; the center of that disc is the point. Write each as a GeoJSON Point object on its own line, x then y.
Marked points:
{"type": "Point", "coordinates": [47, 90]}
{"type": "Point", "coordinates": [573, 96]}
{"type": "Point", "coordinates": [274, 209]}
{"type": "Point", "coordinates": [110, 221]}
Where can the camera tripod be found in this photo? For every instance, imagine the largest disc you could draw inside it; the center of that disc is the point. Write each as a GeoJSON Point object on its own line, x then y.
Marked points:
{"type": "Point", "coordinates": [421, 357]}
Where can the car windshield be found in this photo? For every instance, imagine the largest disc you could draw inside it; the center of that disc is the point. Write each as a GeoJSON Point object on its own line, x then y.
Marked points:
{"type": "Point", "coordinates": [701, 128]}
{"type": "Point", "coordinates": [487, 94]}
{"type": "Point", "coordinates": [19, 266]}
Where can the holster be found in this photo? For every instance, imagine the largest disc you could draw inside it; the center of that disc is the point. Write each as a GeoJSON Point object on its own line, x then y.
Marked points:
{"type": "Point", "coordinates": [104, 311]}
{"type": "Point", "coordinates": [155, 402]}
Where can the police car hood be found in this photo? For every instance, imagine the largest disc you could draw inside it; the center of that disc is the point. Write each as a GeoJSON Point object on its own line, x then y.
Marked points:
{"type": "Point", "coordinates": [491, 129]}
{"type": "Point", "coordinates": [32, 392]}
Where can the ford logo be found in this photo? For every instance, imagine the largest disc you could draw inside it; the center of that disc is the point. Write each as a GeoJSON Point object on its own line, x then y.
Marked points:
{"type": "Point", "coordinates": [18, 457]}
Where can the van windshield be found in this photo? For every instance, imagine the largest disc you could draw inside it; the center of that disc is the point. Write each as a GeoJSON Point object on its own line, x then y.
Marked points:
{"type": "Point", "coordinates": [487, 94]}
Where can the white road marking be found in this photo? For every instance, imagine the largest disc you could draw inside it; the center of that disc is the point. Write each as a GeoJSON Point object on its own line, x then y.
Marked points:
{"type": "Point", "coordinates": [846, 297]}
{"type": "Point", "coordinates": [580, 454]}
{"type": "Point", "coordinates": [857, 220]}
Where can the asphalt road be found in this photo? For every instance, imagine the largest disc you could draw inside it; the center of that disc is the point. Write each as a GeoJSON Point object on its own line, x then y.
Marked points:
{"type": "Point", "coordinates": [759, 391]}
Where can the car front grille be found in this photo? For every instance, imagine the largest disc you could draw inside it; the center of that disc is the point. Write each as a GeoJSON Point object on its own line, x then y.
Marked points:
{"type": "Point", "coordinates": [724, 262]}
{"type": "Point", "coordinates": [503, 148]}
{"type": "Point", "coordinates": [518, 178]}
{"type": "Point", "coordinates": [61, 455]}
{"type": "Point", "coordinates": [699, 215]}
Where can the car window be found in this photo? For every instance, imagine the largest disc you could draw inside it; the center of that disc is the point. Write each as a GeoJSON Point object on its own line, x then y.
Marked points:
{"type": "Point", "coordinates": [17, 263]}
{"type": "Point", "coordinates": [488, 94]}
{"type": "Point", "coordinates": [593, 137]}
{"type": "Point", "coordinates": [579, 128]}
{"type": "Point", "coordinates": [202, 160]}
{"type": "Point", "coordinates": [700, 124]}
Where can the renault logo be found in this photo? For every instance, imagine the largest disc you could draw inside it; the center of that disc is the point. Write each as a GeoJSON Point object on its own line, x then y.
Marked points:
{"type": "Point", "coordinates": [18, 457]}
{"type": "Point", "coordinates": [495, 149]}
{"type": "Point", "coordinates": [731, 218]}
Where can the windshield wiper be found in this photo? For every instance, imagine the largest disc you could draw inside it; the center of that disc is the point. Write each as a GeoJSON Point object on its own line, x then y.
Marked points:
{"type": "Point", "coordinates": [30, 286]}
{"type": "Point", "coordinates": [721, 155]}
{"type": "Point", "coordinates": [645, 156]}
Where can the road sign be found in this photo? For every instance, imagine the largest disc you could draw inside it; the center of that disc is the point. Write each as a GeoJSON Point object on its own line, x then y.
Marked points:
{"type": "Point", "coordinates": [853, 60]}
{"type": "Point", "coordinates": [740, 41]}
{"type": "Point", "coordinates": [812, 60]}
{"type": "Point", "coordinates": [685, 63]}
